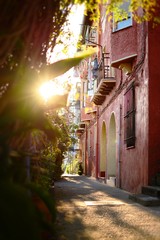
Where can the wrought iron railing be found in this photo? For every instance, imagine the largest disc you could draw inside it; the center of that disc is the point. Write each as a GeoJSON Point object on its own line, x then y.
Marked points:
{"type": "Point", "coordinates": [105, 71]}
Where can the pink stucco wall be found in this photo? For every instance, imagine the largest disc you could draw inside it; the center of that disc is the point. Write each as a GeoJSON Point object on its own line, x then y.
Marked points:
{"type": "Point", "coordinates": [133, 163]}
{"type": "Point", "coordinates": [124, 43]}
{"type": "Point", "coordinates": [154, 100]}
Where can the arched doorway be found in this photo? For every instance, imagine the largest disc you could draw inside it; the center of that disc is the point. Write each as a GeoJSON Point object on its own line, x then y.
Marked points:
{"type": "Point", "coordinates": [111, 149]}
{"type": "Point", "coordinates": [103, 153]}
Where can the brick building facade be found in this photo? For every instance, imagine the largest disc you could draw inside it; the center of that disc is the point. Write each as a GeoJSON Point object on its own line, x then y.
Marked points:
{"type": "Point", "coordinates": [120, 108]}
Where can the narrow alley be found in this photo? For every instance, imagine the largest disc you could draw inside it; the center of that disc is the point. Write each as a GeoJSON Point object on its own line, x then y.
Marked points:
{"type": "Point", "coordinates": [88, 209]}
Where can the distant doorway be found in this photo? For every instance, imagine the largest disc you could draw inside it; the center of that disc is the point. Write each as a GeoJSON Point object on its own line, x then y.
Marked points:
{"type": "Point", "coordinates": [103, 151]}
{"type": "Point", "coordinates": [111, 149]}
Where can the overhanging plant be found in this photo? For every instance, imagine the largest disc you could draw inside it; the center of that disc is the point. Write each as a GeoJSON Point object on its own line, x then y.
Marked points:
{"type": "Point", "coordinates": [20, 113]}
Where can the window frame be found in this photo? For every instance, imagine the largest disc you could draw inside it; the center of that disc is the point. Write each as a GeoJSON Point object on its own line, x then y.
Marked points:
{"type": "Point", "coordinates": [124, 23]}
{"type": "Point", "coordinates": [129, 117]}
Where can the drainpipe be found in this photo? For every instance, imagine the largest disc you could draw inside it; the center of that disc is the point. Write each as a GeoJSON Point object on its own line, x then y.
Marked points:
{"type": "Point", "coordinates": [119, 147]}
{"type": "Point", "coordinates": [85, 153]}
{"type": "Point", "coordinates": [97, 144]}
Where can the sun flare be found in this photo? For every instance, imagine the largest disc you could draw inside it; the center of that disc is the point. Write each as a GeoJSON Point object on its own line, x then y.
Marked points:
{"type": "Point", "coordinates": [50, 89]}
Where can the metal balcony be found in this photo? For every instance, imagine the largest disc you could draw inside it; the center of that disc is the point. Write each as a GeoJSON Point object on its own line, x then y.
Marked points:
{"type": "Point", "coordinates": [105, 81]}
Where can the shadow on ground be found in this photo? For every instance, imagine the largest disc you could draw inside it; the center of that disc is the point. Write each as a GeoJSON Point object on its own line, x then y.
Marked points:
{"type": "Point", "coordinates": [77, 221]}
{"type": "Point", "coordinates": [69, 224]}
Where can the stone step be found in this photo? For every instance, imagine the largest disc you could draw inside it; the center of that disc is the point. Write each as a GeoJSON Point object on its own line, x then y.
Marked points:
{"type": "Point", "coordinates": [153, 191]}
{"type": "Point", "coordinates": [145, 200]}
{"type": "Point", "coordinates": [111, 181]}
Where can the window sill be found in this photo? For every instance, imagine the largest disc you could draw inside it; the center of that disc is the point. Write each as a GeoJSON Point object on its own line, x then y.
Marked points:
{"type": "Point", "coordinates": [121, 29]}
{"type": "Point", "coordinates": [131, 147]}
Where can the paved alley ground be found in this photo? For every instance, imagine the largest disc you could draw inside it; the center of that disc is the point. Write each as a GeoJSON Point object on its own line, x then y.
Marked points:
{"type": "Point", "coordinates": [88, 209]}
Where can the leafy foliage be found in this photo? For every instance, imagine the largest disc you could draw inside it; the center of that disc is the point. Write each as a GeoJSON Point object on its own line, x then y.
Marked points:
{"type": "Point", "coordinates": [28, 38]}
{"type": "Point", "coordinates": [19, 219]}
{"type": "Point", "coordinates": [25, 126]}
{"type": "Point", "coordinates": [141, 10]}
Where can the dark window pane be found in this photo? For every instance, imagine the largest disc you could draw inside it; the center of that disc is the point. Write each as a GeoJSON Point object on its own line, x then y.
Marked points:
{"type": "Point", "coordinates": [129, 116]}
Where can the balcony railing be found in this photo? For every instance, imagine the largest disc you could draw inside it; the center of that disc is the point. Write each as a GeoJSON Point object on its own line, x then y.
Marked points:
{"type": "Point", "coordinates": [105, 71]}
{"type": "Point", "coordinates": [105, 80]}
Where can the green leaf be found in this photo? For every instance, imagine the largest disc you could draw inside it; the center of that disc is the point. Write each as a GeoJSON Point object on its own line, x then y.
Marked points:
{"type": "Point", "coordinates": [60, 67]}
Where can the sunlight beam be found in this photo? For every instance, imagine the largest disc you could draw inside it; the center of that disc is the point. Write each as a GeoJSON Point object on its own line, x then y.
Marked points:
{"type": "Point", "coordinates": [49, 89]}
